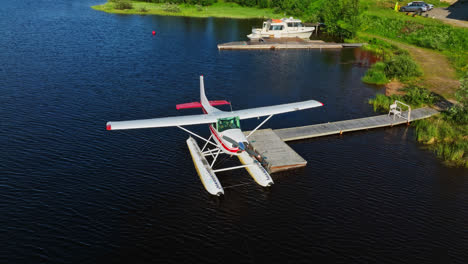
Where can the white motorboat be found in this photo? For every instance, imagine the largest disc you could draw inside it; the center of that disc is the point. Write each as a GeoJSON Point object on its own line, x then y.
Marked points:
{"type": "Point", "coordinates": [282, 28]}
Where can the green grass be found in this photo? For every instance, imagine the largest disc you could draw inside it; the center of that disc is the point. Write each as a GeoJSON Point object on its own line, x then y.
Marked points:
{"type": "Point", "coordinates": [414, 96]}
{"type": "Point", "coordinates": [449, 140]}
{"type": "Point", "coordinates": [376, 74]}
{"type": "Point", "coordinates": [445, 134]}
{"type": "Point", "coordinates": [395, 63]}
{"type": "Point", "coordinates": [220, 9]}
{"type": "Point", "coordinates": [446, 137]}
{"type": "Point", "coordinates": [420, 31]}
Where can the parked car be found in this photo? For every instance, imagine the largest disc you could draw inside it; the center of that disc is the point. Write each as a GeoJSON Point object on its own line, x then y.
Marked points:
{"type": "Point", "coordinates": [417, 6]}
{"type": "Point", "coordinates": [429, 6]}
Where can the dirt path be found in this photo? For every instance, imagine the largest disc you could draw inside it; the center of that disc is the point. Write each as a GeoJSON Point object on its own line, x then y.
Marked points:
{"type": "Point", "coordinates": [439, 76]}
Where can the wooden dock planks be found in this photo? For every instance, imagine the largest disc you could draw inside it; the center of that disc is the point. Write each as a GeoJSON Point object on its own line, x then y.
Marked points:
{"type": "Point", "coordinates": [284, 44]}
{"type": "Point", "coordinates": [296, 133]}
{"type": "Point", "coordinates": [278, 154]}
{"type": "Point", "coordinates": [280, 157]}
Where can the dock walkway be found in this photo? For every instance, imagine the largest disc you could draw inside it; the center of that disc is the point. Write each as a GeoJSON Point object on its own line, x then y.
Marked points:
{"type": "Point", "coordinates": [284, 44]}
{"type": "Point", "coordinates": [339, 127]}
{"type": "Point", "coordinates": [280, 157]}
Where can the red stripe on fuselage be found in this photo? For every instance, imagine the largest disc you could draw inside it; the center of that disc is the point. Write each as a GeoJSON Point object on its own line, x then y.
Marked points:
{"type": "Point", "coordinates": [213, 131]}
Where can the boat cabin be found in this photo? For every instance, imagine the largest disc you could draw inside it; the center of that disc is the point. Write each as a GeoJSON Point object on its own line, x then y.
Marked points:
{"type": "Point", "coordinates": [227, 123]}
{"type": "Point", "coordinates": [282, 28]}
{"type": "Point", "coordinates": [281, 24]}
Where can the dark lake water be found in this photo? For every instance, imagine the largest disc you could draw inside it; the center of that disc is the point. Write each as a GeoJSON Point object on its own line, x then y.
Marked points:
{"type": "Point", "coordinates": [72, 192]}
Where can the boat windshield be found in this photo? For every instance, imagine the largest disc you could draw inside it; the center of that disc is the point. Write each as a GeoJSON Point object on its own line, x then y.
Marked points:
{"type": "Point", "coordinates": [294, 24]}
{"type": "Point", "coordinates": [228, 123]}
{"type": "Point", "coordinates": [276, 27]}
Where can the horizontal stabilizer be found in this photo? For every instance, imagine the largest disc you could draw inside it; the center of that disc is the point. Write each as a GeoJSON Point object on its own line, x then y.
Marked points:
{"type": "Point", "coordinates": [199, 105]}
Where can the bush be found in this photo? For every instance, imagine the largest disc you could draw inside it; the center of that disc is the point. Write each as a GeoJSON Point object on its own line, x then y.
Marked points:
{"type": "Point", "coordinates": [173, 8]}
{"type": "Point", "coordinates": [277, 10]}
{"type": "Point", "coordinates": [447, 139]}
{"type": "Point", "coordinates": [416, 96]}
{"type": "Point", "coordinates": [402, 67]}
{"type": "Point", "coordinates": [376, 74]}
{"type": "Point", "coordinates": [342, 17]}
{"type": "Point", "coordinates": [382, 103]}
{"type": "Point", "coordinates": [425, 33]}
{"type": "Point", "coordinates": [122, 4]}
{"type": "Point", "coordinates": [143, 9]}
{"type": "Point", "coordinates": [459, 113]}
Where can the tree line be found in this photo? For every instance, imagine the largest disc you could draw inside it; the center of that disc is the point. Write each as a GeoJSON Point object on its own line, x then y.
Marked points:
{"type": "Point", "coordinates": [341, 17]}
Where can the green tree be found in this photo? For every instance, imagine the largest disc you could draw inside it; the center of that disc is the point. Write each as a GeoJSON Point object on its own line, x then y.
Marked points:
{"type": "Point", "coordinates": [341, 17]}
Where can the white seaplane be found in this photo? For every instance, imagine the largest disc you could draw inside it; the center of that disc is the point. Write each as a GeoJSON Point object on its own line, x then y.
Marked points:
{"type": "Point", "coordinates": [226, 136]}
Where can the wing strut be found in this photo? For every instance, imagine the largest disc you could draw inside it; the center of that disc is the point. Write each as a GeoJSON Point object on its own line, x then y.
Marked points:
{"type": "Point", "coordinates": [191, 133]}
{"type": "Point", "coordinates": [261, 124]}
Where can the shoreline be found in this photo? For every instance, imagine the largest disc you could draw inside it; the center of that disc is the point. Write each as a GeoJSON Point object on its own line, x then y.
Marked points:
{"type": "Point", "coordinates": [218, 10]}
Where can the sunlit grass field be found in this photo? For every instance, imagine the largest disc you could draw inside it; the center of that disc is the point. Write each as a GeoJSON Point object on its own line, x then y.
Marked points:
{"type": "Point", "coordinates": [219, 9]}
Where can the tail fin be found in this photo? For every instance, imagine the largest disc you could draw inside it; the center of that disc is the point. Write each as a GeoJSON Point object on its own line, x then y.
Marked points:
{"type": "Point", "coordinates": [204, 101]}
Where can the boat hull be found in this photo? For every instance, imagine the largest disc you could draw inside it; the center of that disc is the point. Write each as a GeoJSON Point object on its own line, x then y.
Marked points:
{"type": "Point", "coordinates": [295, 34]}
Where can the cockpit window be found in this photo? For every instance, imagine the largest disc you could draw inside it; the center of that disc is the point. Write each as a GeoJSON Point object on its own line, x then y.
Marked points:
{"type": "Point", "coordinates": [228, 123]}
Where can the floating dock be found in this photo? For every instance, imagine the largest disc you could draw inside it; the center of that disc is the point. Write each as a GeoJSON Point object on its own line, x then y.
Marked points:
{"type": "Point", "coordinates": [294, 43]}
{"type": "Point", "coordinates": [279, 156]}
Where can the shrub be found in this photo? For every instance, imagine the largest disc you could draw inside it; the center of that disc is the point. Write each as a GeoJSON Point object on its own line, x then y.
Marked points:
{"type": "Point", "coordinates": [143, 9]}
{"type": "Point", "coordinates": [122, 4]}
{"type": "Point", "coordinates": [462, 94]}
{"type": "Point", "coordinates": [277, 10]}
{"type": "Point", "coordinates": [425, 33]}
{"type": "Point", "coordinates": [447, 139]}
{"type": "Point", "coordinates": [402, 67]}
{"type": "Point", "coordinates": [382, 103]}
{"type": "Point", "coordinates": [376, 74]}
{"type": "Point", "coordinates": [416, 96]}
{"type": "Point", "coordinates": [459, 112]}
{"type": "Point", "coordinates": [173, 8]}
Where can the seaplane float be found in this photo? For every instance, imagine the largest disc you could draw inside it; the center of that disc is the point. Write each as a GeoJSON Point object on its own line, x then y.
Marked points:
{"type": "Point", "coordinates": [226, 136]}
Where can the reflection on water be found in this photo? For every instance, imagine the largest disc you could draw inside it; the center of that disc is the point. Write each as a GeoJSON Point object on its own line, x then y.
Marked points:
{"type": "Point", "coordinates": [365, 58]}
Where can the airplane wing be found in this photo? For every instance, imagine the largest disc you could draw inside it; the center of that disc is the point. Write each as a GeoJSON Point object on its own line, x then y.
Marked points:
{"type": "Point", "coordinates": [276, 109]}
{"type": "Point", "coordinates": [162, 122]}
{"type": "Point", "coordinates": [211, 117]}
